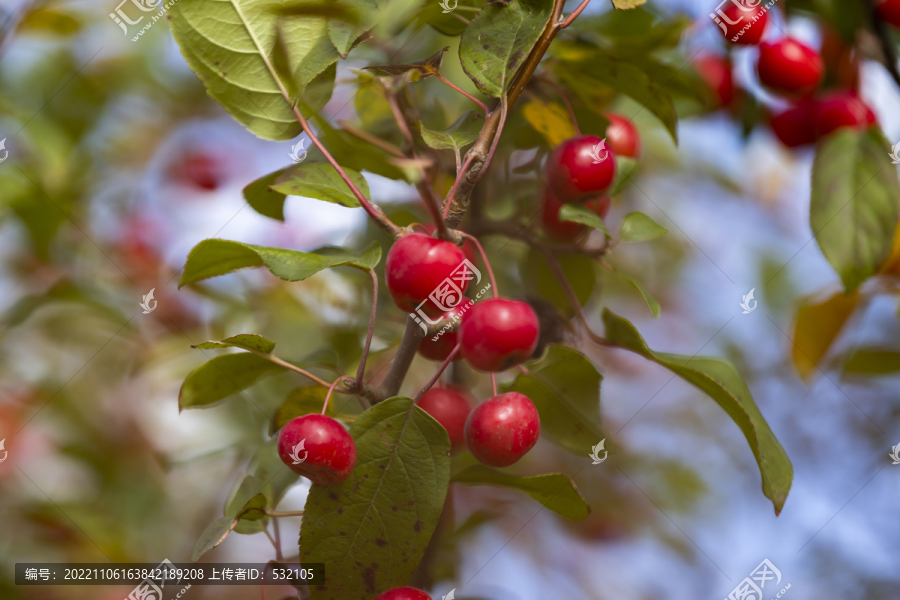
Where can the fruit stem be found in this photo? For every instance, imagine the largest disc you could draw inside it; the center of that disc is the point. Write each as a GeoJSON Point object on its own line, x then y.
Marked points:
{"type": "Point", "coordinates": [440, 371]}
{"type": "Point", "coordinates": [375, 141]}
{"type": "Point", "coordinates": [565, 99]}
{"type": "Point", "coordinates": [573, 15]}
{"type": "Point", "coordinates": [463, 92]}
{"type": "Point", "coordinates": [494, 382]}
{"type": "Point", "coordinates": [373, 211]}
{"type": "Point", "coordinates": [365, 354]}
{"type": "Point", "coordinates": [490, 271]}
{"type": "Point", "coordinates": [504, 107]}
{"type": "Point", "coordinates": [449, 201]}
{"type": "Point", "coordinates": [328, 395]}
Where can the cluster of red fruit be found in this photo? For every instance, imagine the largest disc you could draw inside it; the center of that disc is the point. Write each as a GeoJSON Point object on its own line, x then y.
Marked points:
{"type": "Point", "coordinates": [796, 72]}
{"type": "Point", "coordinates": [575, 173]}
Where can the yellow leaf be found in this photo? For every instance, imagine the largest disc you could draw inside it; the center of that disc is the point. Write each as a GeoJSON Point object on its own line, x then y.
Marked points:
{"type": "Point", "coordinates": [550, 120]}
{"type": "Point", "coordinates": [818, 325]}
{"type": "Point", "coordinates": [892, 265]}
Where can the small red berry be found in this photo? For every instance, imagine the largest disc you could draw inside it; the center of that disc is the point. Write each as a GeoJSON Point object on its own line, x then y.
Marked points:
{"type": "Point", "coordinates": [580, 166]}
{"type": "Point", "coordinates": [842, 109]}
{"type": "Point", "coordinates": [402, 593]}
{"type": "Point", "coordinates": [498, 333]}
{"type": "Point", "coordinates": [716, 71]}
{"type": "Point", "coordinates": [416, 264]}
{"type": "Point", "coordinates": [797, 125]}
{"type": "Point", "coordinates": [568, 231]}
{"type": "Point", "coordinates": [200, 170]}
{"type": "Point", "coordinates": [790, 67]}
{"type": "Point", "coordinates": [740, 27]}
{"type": "Point", "coordinates": [468, 247]}
{"type": "Point", "coordinates": [449, 406]}
{"type": "Point", "coordinates": [889, 12]}
{"type": "Point", "coordinates": [502, 429]}
{"type": "Point", "coordinates": [317, 447]}
{"type": "Point", "coordinates": [622, 136]}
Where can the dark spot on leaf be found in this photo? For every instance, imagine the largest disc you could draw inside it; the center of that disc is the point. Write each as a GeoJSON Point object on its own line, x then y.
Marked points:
{"type": "Point", "coordinates": [332, 495]}
{"type": "Point", "coordinates": [380, 543]}
{"type": "Point", "coordinates": [394, 508]}
{"type": "Point", "coordinates": [343, 533]}
{"type": "Point", "coordinates": [340, 511]}
{"type": "Point", "coordinates": [418, 526]}
{"type": "Point", "coordinates": [368, 577]}
{"type": "Point", "coordinates": [411, 503]}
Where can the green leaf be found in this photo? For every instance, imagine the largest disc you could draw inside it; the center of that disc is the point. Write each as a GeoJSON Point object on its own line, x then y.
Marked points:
{"type": "Point", "coordinates": [263, 199]}
{"type": "Point", "coordinates": [221, 377]}
{"type": "Point", "coordinates": [565, 388]}
{"type": "Point", "coordinates": [432, 13]}
{"type": "Point", "coordinates": [350, 153]}
{"type": "Point", "coordinates": [719, 379]}
{"type": "Point", "coordinates": [373, 528]}
{"type": "Point", "coordinates": [414, 71]}
{"type": "Point", "coordinates": [652, 304]}
{"type": "Point", "coordinates": [581, 214]}
{"type": "Point", "coordinates": [213, 535]}
{"type": "Point", "coordinates": [301, 401]}
{"type": "Point", "coordinates": [579, 65]}
{"type": "Point", "coordinates": [539, 277]}
{"type": "Point", "coordinates": [247, 341]}
{"type": "Point", "coordinates": [873, 361]}
{"type": "Point", "coordinates": [214, 257]}
{"type": "Point", "coordinates": [499, 38]}
{"type": "Point", "coordinates": [462, 133]}
{"type": "Point", "coordinates": [322, 182]}
{"type": "Point", "coordinates": [549, 119]}
{"type": "Point", "coordinates": [855, 203]}
{"type": "Point", "coordinates": [625, 170]}
{"type": "Point", "coordinates": [638, 227]}
{"type": "Point", "coordinates": [554, 490]}
{"type": "Point", "coordinates": [230, 46]}
{"type": "Point", "coordinates": [344, 33]}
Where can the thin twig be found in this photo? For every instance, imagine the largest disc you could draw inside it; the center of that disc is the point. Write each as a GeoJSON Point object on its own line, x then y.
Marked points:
{"type": "Point", "coordinates": [375, 141]}
{"type": "Point", "coordinates": [328, 395]}
{"type": "Point", "coordinates": [494, 382]}
{"type": "Point", "coordinates": [440, 371]}
{"type": "Point", "coordinates": [504, 108]}
{"type": "Point", "coordinates": [452, 195]}
{"type": "Point", "coordinates": [365, 354]}
{"type": "Point", "coordinates": [277, 531]}
{"type": "Point", "coordinates": [463, 92]}
{"type": "Point", "coordinates": [573, 15]}
{"type": "Point", "coordinates": [562, 96]}
{"type": "Point", "coordinates": [486, 263]}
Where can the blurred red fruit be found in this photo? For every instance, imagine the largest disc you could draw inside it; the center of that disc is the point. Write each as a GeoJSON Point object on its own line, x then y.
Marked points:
{"type": "Point", "coordinates": [889, 12]}
{"type": "Point", "coordinates": [797, 125]}
{"type": "Point", "coordinates": [741, 28]}
{"type": "Point", "coordinates": [441, 348]}
{"type": "Point", "coordinates": [790, 67]}
{"type": "Point", "coordinates": [450, 406]}
{"type": "Point", "coordinates": [716, 71]}
{"type": "Point", "coordinates": [842, 109]}
{"type": "Point", "coordinates": [622, 136]}
{"type": "Point", "coordinates": [200, 170]}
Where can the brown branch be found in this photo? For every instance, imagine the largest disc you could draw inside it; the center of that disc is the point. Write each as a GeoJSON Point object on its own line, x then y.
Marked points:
{"type": "Point", "coordinates": [478, 153]}
{"type": "Point", "coordinates": [365, 354]}
{"type": "Point", "coordinates": [882, 32]}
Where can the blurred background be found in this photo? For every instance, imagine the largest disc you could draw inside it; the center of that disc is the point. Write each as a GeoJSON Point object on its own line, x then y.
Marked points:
{"type": "Point", "coordinates": [119, 163]}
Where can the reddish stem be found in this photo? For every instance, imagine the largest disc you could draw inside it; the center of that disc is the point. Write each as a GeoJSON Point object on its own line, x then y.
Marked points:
{"type": "Point", "coordinates": [504, 104]}
{"type": "Point", "coordinates": [490, 271]}
{"type": "Point", "coordinates": [328, 395]}
{"type": "Point", "coordinates": [440, 371]}
{"type": "Point", "coordinates": [574, 15]}
{"type": "Point", "coordinates": [562, 95]}
{"type": "Point", "coordinates": [494, 382]}
{"type": "Point", "coordinates": [463, 92]}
